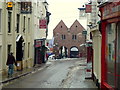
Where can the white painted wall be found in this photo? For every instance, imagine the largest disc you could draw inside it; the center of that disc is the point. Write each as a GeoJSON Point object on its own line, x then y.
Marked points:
{"type": "Point", "coordinates": [39, 13]}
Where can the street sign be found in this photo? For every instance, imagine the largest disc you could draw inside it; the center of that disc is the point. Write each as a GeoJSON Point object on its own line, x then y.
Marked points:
{"type": "Point", "coordinates": [84, 32]}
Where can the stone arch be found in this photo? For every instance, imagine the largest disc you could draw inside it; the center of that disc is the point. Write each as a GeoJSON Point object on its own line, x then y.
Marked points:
{"type": "Point", "coordinates": [74, 52]}
{"type": "Point", "coordinates": [63, 52]}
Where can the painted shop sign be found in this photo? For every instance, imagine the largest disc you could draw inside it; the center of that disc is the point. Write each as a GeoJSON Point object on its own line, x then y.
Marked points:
{"type": "Point", "coordinates": [38, 43]}
{"type": "Point", "coordinates": [111, 10]}
{"type": "Point", "coordinates": [42, 24]}
{"type": "Point", "coordinates": [88, 8]}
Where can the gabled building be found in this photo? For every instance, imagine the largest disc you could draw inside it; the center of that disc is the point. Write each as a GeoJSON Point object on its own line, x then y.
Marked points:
{"type": "Point", "coordinates": [67, 41]}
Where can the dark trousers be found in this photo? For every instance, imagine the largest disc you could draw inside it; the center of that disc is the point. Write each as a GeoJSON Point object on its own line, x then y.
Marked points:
{"type": "Point", "coordinates": [10, 69]}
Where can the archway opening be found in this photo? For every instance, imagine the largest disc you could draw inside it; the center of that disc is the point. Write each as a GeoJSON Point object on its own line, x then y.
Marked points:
{"type": "Point", "coordinates": [63, 52]}
{"type": "Point", "coordinates": [74, 52]}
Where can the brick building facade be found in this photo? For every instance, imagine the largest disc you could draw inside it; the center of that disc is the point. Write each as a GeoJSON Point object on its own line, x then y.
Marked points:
{"type": "Point", "coordinates": [69, 42]}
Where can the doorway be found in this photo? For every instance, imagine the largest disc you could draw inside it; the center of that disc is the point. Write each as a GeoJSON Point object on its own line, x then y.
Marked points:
{"type": "Point", "coordinates": [19, 48]}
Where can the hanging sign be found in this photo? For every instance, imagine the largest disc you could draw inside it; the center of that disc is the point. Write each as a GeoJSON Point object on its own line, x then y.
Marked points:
{"type": "Point", "coordinates": [9, 4]}
{"type": "Point", "coordinates": [37, 43]}
{"type": "Point", "coordinates": [43, 24]}
{"type": "Point", "coordinates": [88, 8]}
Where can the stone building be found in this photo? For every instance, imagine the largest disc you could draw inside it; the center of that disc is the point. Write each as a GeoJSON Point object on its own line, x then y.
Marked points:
{"type": "Point", "coordinates": [69, 42]}
{"type": "Point", "coordinates": [19, 28]}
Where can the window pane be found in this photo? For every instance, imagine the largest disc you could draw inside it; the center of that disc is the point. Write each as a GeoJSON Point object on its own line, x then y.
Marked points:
{"type": "Point", "coordinates": [9, 22]}
{"type": "Point", "coordinates": [28, 50]}
{"type": "Point", "coordinates": [118, 56]}
{"type": "Point", "coordinates": [18, 21]}
{"type": "Point", "coordinates": [111, 54]}
{"type": "Point", "coordinates": [28, 25]}
{"type": "Point", "coordinates": [64, 37]}
{"type": "Point", "coordinates": [9, 49]}
{"type": "Point", "coordinates": [73, 37]}
{"type": "Point", "coordinates": [24, 26]}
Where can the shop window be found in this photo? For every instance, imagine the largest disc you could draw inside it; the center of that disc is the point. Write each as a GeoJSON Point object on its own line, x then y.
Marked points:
{"type": "Point", "coordinates": [111, 54]}
{"type": "Point", "coordinates": [118, 56]}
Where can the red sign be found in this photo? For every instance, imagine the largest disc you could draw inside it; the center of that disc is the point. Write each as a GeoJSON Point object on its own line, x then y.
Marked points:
{"type": "Point", "coordinates": [43, 24]}
{"type": "Point", "coordinates": [38, 43]}
{"type": "Point", "coordinates": [88, 8]}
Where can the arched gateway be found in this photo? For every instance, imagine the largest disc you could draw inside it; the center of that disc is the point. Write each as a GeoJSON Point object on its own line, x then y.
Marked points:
{"type": "Point", "coordinates": [74, 52]}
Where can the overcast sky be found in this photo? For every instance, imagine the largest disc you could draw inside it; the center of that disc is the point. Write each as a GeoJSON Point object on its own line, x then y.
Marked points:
{"type": "Point", "coordinates": [66, 10]}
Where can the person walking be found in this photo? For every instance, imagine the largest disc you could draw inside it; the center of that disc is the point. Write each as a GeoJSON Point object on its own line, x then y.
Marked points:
{"type": "Point", "coordinates": [10, 63]}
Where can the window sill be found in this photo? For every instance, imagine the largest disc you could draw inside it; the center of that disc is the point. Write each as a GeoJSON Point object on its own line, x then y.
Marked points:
{"type": "Point", "coordinates": [9, 33]}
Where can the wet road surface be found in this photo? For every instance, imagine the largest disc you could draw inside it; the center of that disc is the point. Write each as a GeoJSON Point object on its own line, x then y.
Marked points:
{"type": "Point", "coordinates": [60, 74]}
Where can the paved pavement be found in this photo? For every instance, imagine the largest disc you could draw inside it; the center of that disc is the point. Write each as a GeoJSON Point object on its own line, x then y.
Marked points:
{"type": "Point", "coordinates": [17, 74]}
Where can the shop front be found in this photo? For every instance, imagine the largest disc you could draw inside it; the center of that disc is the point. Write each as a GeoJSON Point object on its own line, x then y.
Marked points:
{"type": "Point", "coordinates": [38, 59]}
{"type": "Point", "coordinates": [40, 51]}
{"type": "Point", "coordinates": [89, 68]}
{"type": "Point", "coordinates": [110, 60]}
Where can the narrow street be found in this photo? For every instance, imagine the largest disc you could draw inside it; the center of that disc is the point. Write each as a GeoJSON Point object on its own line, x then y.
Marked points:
{"type": "Point", "coordinates": [68, 73]}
